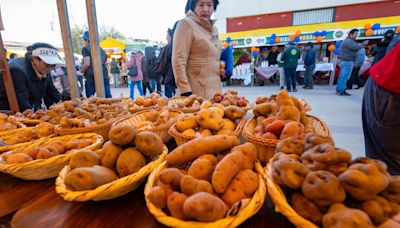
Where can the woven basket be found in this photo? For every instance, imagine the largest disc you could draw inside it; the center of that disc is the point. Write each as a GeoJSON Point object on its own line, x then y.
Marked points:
{"type": "Point", "coordinates": [281, 204]}
{"type": "Point", "coordinates": [29, 122]}
{"type": "Point", "coordinates": [246, 109]}
{"type": "Point", "coordinates": [267, 146]}
{"type": "Point", "coordinates": [244, 213]}
{"type": "Point", "coordinates": [181, 139]}
{"type": "Point", "coordinates": [161, 130]}
{"type": "Point", "coordinates": [306, 105]}
{"type": "Point", "coordinates": [46, 168]}
{"type": "Point", "coordinates": [101, 129]}
{"type": "Point", "coordinates": [175, 100]}
{"type": "Point", "coordinates": [6, 135]}
{"type": "Point", "coordinates": [111, 190]}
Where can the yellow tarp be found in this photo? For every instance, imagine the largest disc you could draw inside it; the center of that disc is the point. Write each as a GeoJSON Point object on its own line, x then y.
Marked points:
{"type": "Point", "coordinates": [114, 44]}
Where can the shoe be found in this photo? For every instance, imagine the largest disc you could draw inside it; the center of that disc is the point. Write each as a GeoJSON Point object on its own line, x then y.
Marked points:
{"type": "Point", "coordinates": [344, 93]}
{"type": "Point", "coordinates": [309, 87]}
{"type": "Point", "coordinates": [281, 88]}
{"type": "Point", "coordinates": [289, 90]}
{"type": "Point", "coordinates": [294, 90]}
{"type": "Point", "coordinates": [305, 87]}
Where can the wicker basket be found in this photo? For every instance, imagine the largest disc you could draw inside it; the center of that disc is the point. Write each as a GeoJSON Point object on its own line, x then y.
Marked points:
{"type": "Point", "coordinates": [161, 130]}
{"type": "Point", "coordinates": [244, 212]}
{"type": "Point", "coordinates": [173, 101]}
{"type": "Point", "coordinates": [46, 168]}
{"type": "Point", "coordinates": [29, 122]}
{"type": "Point", "coordinates": [306, 105]}
{"type": "Point", "coordinates": [267, 146]}
{"type": "Point", "coordinates": [6, 135]}
{"type": "Point", "coordinates": [181, 139]}
{"type": "Point", "coordinates": [281, 204]}
{"type": "Point", "coordinates": [246, 109]}
{"type": "Point", "coordinates": [111, 190]}
{"type": "Point", "coordinates": [101, 129]}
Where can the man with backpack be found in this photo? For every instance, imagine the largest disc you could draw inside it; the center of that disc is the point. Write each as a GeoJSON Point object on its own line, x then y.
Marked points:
{"type": "Point", "coordinates": [87, 69]}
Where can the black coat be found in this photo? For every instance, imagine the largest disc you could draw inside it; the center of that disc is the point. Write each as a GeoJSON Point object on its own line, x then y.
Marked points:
{"type": "Point", "coordinates": [164, 66]}
{"type": "Point", "coordinates": [30, 89]}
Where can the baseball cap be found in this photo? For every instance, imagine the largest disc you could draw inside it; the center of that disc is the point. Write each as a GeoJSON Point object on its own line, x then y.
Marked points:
{"type": "Point", "coordinates": [86, 35]}
{"type": "Point", "coordinates": [291, 43]}
{"type": "Point", "coordinates": [47, 55]}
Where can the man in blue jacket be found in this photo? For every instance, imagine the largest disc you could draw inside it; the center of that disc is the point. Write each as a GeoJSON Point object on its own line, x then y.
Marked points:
{"type": "Point", "coordinates": [309, 63]}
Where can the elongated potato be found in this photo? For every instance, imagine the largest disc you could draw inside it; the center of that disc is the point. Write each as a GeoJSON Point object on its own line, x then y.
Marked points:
{"type": "Point", "coordinates": [201, 169]}
{"type": "Point", "coordinates": [175, 204]}
{"type": "Point", "coordinates": [171, 177]}
{"type": "Point", "coordinates": [250, 153]}
{"type": "Point", "coordinates": [242, 186]}
{"type": "Point", "coordinates": [226, 170]}
{"type": "Point", "coordinates": [190, 185]}
{"type": "Point", "coordinates": [204, 207]}
{"type": "Point", "coordinates": [87, 178]}
{"type": "Point", "coordinates": [200, 146]}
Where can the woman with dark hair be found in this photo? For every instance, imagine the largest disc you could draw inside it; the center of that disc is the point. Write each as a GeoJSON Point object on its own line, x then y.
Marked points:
{"type": "Point", "coordinates": [31, 78]}
{"type": "Point", "coordinates": [149, 65]}
{"type": "Point", "coordinates": [379, 50]}
{"type": "Point", "coordinates": [196, 60]}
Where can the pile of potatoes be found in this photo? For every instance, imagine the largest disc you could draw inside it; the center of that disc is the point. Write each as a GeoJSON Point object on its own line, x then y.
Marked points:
{"type": "Point", "coordinates": [193, 101]}
{"type": "Point", "coordinates": [154, 100]}
{"type": "Point", "coordinates": [230, 97]}
{"type": "Point", "coordinates": [125, 154]}
{"type": "Point", "coordinates": [28, 134]}
{"type": "Point", "coordinates": [214, 174]}
{"type": "Point", "coordinates": [8, 122]}
{"type": "Point", "coordinates": [154, 118]}
{"type": "Point", "coordinates": [279, 117]}
{"type": "Point", "coordinates": [216, 120]}
{"type": "Point", "coordinates": [51, 149]}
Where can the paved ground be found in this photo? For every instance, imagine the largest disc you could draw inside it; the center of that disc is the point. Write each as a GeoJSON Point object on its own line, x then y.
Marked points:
{"type": "Point", "coordinates": [342, 114]}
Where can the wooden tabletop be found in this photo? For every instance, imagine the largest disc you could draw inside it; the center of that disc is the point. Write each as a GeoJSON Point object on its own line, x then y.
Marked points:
{"type": "Point", "coordinates": [36, 204]}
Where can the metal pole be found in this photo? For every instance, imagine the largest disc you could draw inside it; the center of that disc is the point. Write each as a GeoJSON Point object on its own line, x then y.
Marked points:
{"type": "Point", "coordinates": [67, 44]}
{"type": "Point", "coordinates": [332, 76]}
{"type": "Point", "coordinates": [95, 48]}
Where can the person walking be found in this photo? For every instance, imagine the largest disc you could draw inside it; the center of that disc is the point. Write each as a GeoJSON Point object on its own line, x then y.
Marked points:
{"type": "Point", "coordinates": [309, 63]}
{"type": "Point", "coordinates": [355, 77]}
{"type": "Point", "coordinates": [135, 74]}
{"type": "Point", "coordinates": [348, 54]}
{"type": "Point", "coordinates": [281, 71]}
{"type": "Point", "coordinates": [379, 50]}
{"type": "Point", "coordinates": [114, 71]}
{"type": "Point", "coordinates": [272, 61]}
{"type": "Point", "coordinates": [87, 69]}
{"type": "Point", "coordinates": [290, 59]}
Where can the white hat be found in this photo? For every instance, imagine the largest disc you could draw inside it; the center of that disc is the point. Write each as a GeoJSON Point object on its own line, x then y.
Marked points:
{"type": "Point", "coordinates": [48, 55]}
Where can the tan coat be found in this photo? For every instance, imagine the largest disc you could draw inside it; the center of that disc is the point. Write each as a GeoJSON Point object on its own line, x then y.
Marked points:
{"type": "Point", "coordinates": [196, 56]}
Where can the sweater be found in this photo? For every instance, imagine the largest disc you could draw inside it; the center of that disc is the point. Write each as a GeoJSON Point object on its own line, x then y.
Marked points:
{"type": "Point", "coordinates": [348, 49]}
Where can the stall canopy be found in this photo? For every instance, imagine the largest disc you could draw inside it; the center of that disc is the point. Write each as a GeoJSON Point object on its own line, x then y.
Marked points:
{"type": "Point", "coordinates": [113, 47]}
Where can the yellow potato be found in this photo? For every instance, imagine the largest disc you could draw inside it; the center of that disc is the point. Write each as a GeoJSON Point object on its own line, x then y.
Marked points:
{"type": "Point", "coordinates": [190, 185]}
{"type": "Point", "coordinates": [187, 121]}
{"type": "Point", "coordinates": [204, 207]}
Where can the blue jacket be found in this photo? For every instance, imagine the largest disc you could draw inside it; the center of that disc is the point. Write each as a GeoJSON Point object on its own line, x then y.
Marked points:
{"type": "Point", "coordinates": [227, 57]}
{"type": "Point", "coordinates": [309, 59]}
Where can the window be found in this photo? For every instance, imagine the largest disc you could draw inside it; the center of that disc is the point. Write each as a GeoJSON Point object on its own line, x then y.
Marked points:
{"type": "Point", "coordinates": [313, 16]}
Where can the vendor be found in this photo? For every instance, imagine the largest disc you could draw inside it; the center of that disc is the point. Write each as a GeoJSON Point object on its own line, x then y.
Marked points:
{"type": "Point", "coordinates": [31, 78]}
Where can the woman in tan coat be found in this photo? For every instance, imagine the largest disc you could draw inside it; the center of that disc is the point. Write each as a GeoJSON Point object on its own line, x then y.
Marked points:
{"type": "Point", "coordinates": [196, 51]}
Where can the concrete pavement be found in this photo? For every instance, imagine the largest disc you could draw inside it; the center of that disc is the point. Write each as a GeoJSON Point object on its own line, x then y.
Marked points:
{"type": "Point", "coordinates": [341, 113]}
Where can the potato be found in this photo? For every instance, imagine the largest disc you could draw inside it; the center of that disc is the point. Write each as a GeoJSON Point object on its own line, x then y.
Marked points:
{"type": "Point", "coordinates": [275, 127]}
{"type": "Point", "coordinates": [214, 160]}
{"type": "Point", "coordinates": [175, 203]}
{"type": "Point", "coordinates": [210, 119]}
{"type": "Point", "coordinates": [84, 143]}
{"type": "Point", "coordinates": [162, 118]}
{"type": "Point", "coordinates": [201, 169]}
{"type": "Point", "coordinates": [72, 144]}
{"type": "Point", "coordinates": [109, 155]}
{"type": "Point", "coordinates": [190, 185]}
{"type": "Point", "coordinates": [59, 145]}
{"type": "Point", "coordinates": [158, 196]}
{"type": "Point", "coordinates": [171, 177]}
{"type": "Point", "coordinates": [187, 121]}
{"type": "Point", "coordinates": [149, 143]}
{"type": "Point", "coordinates": [234, 112]}
{"type": "Point", "coordinates": [291, 129]}
{"type": "Point", "coordinates": [288, 113]}
{"type": "Point", "coordinates": [148, 102]}
{"type": "Point", "coordinates": [65, 122]}
{"type": "Point", "coordinates": [229, 124]}
{"type": "Point", "coordinates": [242, 186]}
{"type": "Point", "coordinates": [88, 178]}
{"type": "Point", "coordinates": [189, 132]}
{"type": "Point", "coordinates": [83, 158]}
{"type": "Point", "coordinates": [260, 119]}
{"type": "Point", "coordinates": [32, 152]}
{"type": "Point", "coordinates": [162, 101]}
{"type": "Point", "coordinates": [130, 161]}
{"type": "Point", "coordinates": [263, 109]}
{"type": "Point", "coordinates": [47, 152]}
{"type": "Point", "coordinates": [218, 110]}
{"type": "Point", "coordinates": [206, 132]}
{"type": "Point", "coordinates": [225, 132]}
{"type": "Point", "coordinates": [204, 207]}
{"type": "Point", "coordinates": [250, 153]}
{"type": "Point", "coordinates": [18, 158]}
{"type": "Point", "coordinates": [122, 134]}
{"type": "Point", "coordinates": [200, 146]}
{"type": "Point", "coordinates": [226, 170]}
{"type": "Point", "coordinates": [151, 115]}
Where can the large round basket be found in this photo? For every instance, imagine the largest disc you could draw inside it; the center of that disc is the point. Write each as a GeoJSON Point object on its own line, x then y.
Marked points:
{"type": "Point", "coordinates": [175, 100]}
{"type": "Point", "coordinates": [101, 129]}
{"type": "Point", "coordinates": [111, 190]}
{"type": "Point", "coordinates": [45, 168]}
{"type": "Point", "coordinates": [6, 135]}
{"type": "Point", "coordinates": [281, 203]}
{"type": "Point", "coordinates": [161, 130]}
{"type": "Point", "coordinates": [245, 211]}
{"type": "Point", "coordinates": [181, 139]}
{"type": "Point", "coordinates": [266, 147]}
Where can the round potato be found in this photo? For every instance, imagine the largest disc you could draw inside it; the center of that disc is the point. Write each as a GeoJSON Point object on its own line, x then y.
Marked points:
{"type": "Point", "coordinates": [122, 134]}
{"type": "Point", "coordinates": [149, 143]}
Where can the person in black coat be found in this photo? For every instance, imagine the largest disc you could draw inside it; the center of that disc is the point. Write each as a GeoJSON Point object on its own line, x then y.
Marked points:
{"type": "Point", "coordinates": [380, 49]}
{"type": "Point", "coordinates": [31, 78]}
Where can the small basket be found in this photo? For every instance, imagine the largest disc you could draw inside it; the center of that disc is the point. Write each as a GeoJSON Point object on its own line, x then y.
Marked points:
{"type": "Point", "coordinates": [306, 105]}
{"type": "Point", "coordinates": [111, 190]}
{"type": "Point", "coordinates": [161, 130]}
{"type": "Point", "coordinates": [6, 135]}
{"type": "Point", "coordinates": [101, 129]}
{"type": "Point", "coordinates": [245, 211]}
{"type": "Point", "coordinates": [46, 168]}
{"type": "Point", "coordinates": [281, 204]}
{"type": "Point", "coordinates": [175, 100]}
{"type": "Point", "coordinates": [181, 139]}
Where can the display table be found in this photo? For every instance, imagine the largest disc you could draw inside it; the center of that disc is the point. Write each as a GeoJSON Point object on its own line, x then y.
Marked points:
{"type": "Point", "coordinates": [36, 204]}
{"type": "Point", "coordinates": [318, 67]}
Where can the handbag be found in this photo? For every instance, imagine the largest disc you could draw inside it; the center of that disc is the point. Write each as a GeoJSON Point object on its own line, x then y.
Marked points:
{"type": "Point", "coordinates": [133, 71]}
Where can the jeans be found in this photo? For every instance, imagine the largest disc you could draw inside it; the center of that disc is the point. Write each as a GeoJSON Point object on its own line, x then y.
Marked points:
{"type": "Point", "coordinates": [309, 76]}
{"type": "Point", "coordinates": [345, 71]}
{"type": "Point", "coordinates": [146, 86]}
{"type": "Point", "coordinates": [90, 88]}
{"type": "Point", "coordinates": [116, 77]}
{"type": "Point", "coordinates": [354, 78]}
{"type": "Point", "coordinates": [281, 77]}
{"type": "Point", "coordinates": [169, 91]}
{"type": "Point", "coordinates": [290, 76]}
{"type": "Point", "coordinates": [107, 89]}
{"type": "Point", "coordinates": [132, 88]}
{"type": "Point", "coordinates": [153, 85]}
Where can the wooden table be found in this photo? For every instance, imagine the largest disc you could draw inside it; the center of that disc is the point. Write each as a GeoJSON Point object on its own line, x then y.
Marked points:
{"type": "Point", "coordinates": [36, 204]}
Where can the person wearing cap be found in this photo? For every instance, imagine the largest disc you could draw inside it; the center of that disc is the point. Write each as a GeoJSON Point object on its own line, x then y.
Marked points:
{"type": "Point", "coordinates": [31, 78]}
{"type": "Point", "coordinates": [379, 50]}
{"type": "Point", "coordinates": [309, 63]}
{"type": "Point", "coordinates": [87, 68]}
{"type": "Point", "coordinates": [380, 111]}
{"type": "Point", "coordinates": [290, 59]}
